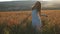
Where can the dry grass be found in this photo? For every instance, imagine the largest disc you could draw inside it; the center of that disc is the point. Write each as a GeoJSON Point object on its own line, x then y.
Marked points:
{"type": "Point", "coordinates": [53, 16]}
{"type": "Point", "coordinates": [51, 24]}
{"type": "Point", "coordinates": [13, 17]}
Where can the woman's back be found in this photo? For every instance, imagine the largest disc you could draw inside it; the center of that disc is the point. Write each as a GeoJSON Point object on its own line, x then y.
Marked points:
{"type": "Point", "coordinates": [36, 21]}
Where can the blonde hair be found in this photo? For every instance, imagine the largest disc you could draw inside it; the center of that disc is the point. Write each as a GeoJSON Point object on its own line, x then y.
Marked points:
{"type": "Point", "coordinates": [37, 6]}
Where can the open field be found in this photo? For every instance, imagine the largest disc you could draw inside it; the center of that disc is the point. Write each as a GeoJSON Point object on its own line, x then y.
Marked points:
{"type": "Point", "coordinates": [51, 24]}
{"type": "Point", "coordinates": [13, 17]}
{"type": "Point", "coordinates": [53, 16]}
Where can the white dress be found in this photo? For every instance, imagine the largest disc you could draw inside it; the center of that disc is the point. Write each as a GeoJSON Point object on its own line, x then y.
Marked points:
{"type": "Point", "coordinates": [36, 20]}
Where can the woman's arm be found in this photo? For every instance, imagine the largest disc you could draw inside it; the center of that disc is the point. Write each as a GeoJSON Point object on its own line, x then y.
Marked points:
{"type": "Point", "coordinates": [44, 15]}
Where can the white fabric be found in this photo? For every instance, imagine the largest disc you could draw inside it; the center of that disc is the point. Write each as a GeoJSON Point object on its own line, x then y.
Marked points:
{"type": "Point", "coordinates": [36, 20]}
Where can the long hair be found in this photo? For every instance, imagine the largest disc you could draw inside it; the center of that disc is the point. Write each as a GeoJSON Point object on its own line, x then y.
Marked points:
{"type": "Point", "coordinates": [37, 6]}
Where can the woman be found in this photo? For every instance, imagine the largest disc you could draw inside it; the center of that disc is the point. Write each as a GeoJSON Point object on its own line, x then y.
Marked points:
{"type": "Point", "coordinates": [36, 20]}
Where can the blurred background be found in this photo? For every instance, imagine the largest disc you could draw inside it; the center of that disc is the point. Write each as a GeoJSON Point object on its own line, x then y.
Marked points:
{"type": "Point", "coordinates": [27, 5]}
{"type": "Point", "coordinates": [16, 16]}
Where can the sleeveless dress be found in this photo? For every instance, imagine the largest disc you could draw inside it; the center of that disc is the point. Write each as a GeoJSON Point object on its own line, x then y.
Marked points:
{"type": "Point", "coordinates": [36, 20]}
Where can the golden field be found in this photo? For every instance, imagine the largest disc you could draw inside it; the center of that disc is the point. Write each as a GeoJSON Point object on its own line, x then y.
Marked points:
{"type": "Point", "coordinates": [18, 16]}
{"type": "Point", "coordinates": [51, 24]}
{"type": "Point", "coordinates": [53, 16]}
{"type": "Point", "coordinates": [13, 17]}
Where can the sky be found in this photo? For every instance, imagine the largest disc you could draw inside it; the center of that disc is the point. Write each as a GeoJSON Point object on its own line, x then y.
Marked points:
{"type": "Point", "coordinates": [47, 3]}
{"type": "Point", "coordinates": [51, 4]}
{"type": "Point", "coordinates": [29, 0]}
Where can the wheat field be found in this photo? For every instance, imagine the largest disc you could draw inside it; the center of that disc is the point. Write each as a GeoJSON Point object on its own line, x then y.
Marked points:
{"type": "Point", "coordinates": [51, 24]}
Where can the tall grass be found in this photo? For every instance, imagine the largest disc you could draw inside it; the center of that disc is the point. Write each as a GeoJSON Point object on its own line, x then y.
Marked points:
{"type": "Point", "coordinates": [28, 29]}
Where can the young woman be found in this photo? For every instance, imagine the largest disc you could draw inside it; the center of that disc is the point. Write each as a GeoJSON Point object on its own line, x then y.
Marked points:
{"type": "Point", "coordinates": [36, 20]}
